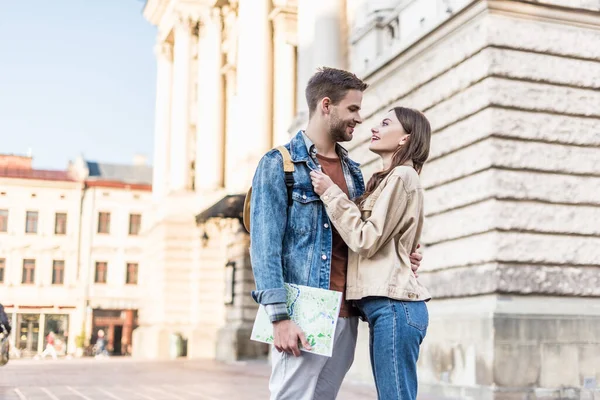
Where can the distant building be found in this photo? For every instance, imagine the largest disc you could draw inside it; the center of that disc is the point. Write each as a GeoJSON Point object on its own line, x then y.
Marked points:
{"type": "Point", "coordinates": [70, 250]}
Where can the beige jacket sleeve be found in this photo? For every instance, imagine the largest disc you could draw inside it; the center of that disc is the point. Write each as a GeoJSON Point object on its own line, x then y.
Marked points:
{"type": "Point", "coordinates": [368, 236]}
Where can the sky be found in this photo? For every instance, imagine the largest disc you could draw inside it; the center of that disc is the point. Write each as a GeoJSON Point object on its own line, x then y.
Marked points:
{"type": "Point", "coordinates": [77, 77]}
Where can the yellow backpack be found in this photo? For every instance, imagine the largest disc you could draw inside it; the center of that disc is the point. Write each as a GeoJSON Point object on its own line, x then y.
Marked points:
{"type": "Point", "coordinates": [288, 169]}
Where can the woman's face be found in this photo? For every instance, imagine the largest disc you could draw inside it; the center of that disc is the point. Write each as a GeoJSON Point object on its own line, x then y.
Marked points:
{"type": "Point", "coordinates": [388, 135]}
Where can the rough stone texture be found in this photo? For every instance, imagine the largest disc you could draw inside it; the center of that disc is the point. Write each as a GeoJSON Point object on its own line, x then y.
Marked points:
{"type": "Point", "coordinates": [593, 5]}
{"type": "Point", "coordinates": [515, 247]}
{"type": "Point", "coordinates": [506, 215]}
{"type": "Point", "coordinates": [550, 345]}
{"type": "Point", "coordinates": [515, 124]}
{"type": "Point", "coordinates": [546, 36]}
{"type": "Point", "coordinates": [516, 185]}
{"type": "Point", "coordinates": [513, 278]}
{"type": "Point", "coordinates": [512, 154]}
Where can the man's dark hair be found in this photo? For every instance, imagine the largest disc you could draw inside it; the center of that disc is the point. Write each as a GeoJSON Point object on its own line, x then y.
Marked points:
{"type": "Point", "coordinates": [333, 83]}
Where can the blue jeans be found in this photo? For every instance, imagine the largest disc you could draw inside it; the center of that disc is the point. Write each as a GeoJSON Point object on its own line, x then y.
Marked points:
{"type": "Point", "coordinates": [397, 329]}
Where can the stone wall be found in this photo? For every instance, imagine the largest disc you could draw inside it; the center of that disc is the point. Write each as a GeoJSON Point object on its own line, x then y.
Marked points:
{"type": "Point", "coordinates": [511, 90]}
{"type": "Point", "coordinates": [221, 328]}
{"type": "Point", "coordinates": [166, 286]}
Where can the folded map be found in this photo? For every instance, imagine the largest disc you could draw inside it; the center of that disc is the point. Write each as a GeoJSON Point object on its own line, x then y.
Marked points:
{"type": "Point", "coordinates": [314, 310]}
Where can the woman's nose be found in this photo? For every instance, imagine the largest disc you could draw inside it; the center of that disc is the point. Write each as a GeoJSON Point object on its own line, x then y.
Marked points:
{"type": "Point", "coordinates": [374, 130]}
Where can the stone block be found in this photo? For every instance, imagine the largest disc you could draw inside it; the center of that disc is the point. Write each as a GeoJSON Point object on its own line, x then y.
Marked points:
{"type": "Point", "coordinates": [509, 215]}
{"type": "Point", "coordinates": [589, 367]}
{"type": "Point", "coordinates": [233, 344]}
{"type": "Point", "coordinates": [530, 329]}
{"type": "Point", "coordinates": [552, 280]}
{"type": "Point", "coordinates": [511, 247]}
{"type": "Point", "coordinates": [517, 365]}
{"type": "Point", "coordinates": [544, 68]}
{"type": "Point", "coordinates": [150, 343]}
{"type": "Point", "coordinates": [584, 330]}
{"type": "Point", "coordinates": [545, 127]}
{"type": "Point", "coordinates": [517, 185]}
{"type": "Point", "coordinates": [449, 168]}
{"type": "Point", "coordinates": [202, 341]}
{"type": "Point", "coordinates": [555, 38]}
{"type": "Point", "coordinates": [560, 366]}
{"type": "Point", "coordinates": [468, 190]}
{"type": "Point", "coordinates": [474, 280]}
{"type": "Point", "coordinates": [462, 134]}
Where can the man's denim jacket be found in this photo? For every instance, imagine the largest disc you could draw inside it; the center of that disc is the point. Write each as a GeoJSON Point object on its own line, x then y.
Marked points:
{"type": "Point", "coordinates": [292, 244]}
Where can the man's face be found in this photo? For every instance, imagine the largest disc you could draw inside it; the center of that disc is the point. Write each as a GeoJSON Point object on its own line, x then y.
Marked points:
{"type": "Point", "coordinates": [345, 116]}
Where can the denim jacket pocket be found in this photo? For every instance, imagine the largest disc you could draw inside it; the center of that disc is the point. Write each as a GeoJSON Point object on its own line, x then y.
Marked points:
{"type": "Point", "coordinates": [305, 210]}
{"type": "Point", "coordinates": [417, 315]}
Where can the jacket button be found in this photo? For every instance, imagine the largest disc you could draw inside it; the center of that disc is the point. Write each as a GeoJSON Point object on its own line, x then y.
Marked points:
{"type": "Point", "coordinates": [326, 226]}
{"type": "Point", "coordinates": [324, 257]}
{"type": "Point", "coordinates": [304, 196]}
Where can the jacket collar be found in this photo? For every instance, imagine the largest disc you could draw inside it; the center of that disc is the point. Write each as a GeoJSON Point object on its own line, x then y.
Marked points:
{"type": "Point", "coordinates": [301, 146]}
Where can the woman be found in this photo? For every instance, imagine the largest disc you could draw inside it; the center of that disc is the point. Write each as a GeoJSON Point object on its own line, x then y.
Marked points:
{"type": "Point", "coordinates": [382, 228]}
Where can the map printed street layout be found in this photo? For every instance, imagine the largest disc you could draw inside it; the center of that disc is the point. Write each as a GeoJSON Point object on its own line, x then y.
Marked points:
{"type": "Point", "coordinates": [314, 310]}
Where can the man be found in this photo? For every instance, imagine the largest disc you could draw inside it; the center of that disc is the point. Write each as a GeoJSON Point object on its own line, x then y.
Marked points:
{"type": "Point", "coordinates": [50, 349]}
{"type": "Point", "coordinates": [4, 324]}
{"type": "Point", "coordinates": [101, 345]}
{"type": "Point", "coordinates": [4, 333]}
{"type": "Point", "coordinates": [297, 244]}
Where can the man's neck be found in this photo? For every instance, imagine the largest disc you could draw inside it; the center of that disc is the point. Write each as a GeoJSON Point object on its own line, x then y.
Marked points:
{"type": "Point", "coordinates": [322, 141]}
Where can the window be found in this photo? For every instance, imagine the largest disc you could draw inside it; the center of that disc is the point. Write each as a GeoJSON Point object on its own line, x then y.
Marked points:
{"type": "Point", "coordinates": [101, 269]}
{"type": "Point", "coordinates": [135, 221]}
{"type": "Point", "coordinates": [3, 220]}
{"type": "Point", "coordinates": [28, 271]}
{"type": "Point", "coordinates": [132, 274]}
{"type": "Point", "coordinates": [58, 272]}
{"type": "Point", "coordinates": [104, 222]}
{"type": "Point", "coordinates": [31, 222]}
{"type": "Point", "coordinates": [2, 266]}
{"type": "Point", "coordinates": [60, 224]}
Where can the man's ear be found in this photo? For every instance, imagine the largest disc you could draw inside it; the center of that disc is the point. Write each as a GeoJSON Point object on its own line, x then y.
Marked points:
{"type": "Point", "coordinates": [325, 105]}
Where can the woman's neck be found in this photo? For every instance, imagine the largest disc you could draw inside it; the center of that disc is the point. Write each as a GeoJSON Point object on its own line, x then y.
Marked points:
{"type": "Point", "coordinates": [387, 160]}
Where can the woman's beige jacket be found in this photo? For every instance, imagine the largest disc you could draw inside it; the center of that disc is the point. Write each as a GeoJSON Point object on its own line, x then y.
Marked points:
{"type": "Point", "coordinates": [382, 236]}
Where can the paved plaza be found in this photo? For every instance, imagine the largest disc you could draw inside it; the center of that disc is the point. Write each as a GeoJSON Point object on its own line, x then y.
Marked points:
{"type": "Point", "coordinates": [127, 379]}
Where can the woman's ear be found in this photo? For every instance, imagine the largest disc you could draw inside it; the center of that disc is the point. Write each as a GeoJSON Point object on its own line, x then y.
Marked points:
{"type": "Point", "coordinates": [404, 140]}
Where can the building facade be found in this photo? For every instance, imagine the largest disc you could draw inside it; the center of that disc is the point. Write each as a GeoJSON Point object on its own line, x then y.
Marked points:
{"type": "Point", "coordinates": [70, 250]}
{"type": "Point", "coordinates": [511, 248]}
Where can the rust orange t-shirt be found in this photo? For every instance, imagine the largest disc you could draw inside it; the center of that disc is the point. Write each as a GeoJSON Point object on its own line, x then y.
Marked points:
{"type": "Point", "coordinates": [339, 250]}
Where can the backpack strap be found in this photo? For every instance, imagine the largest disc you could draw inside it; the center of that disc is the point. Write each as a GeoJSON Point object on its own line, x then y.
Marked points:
{"type": "Point", "coordinates": [288, 169]}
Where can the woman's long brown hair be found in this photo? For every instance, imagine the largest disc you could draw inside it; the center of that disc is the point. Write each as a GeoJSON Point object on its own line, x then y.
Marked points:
{"type": "Point", "coordinates": [416, 149]}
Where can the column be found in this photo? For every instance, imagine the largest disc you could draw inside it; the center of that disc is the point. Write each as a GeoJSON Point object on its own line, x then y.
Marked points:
{"type": "Point", "coordinates": [284, 62]}
{"type": "Point", "coordinates": [210, 133]}
{"type": "Point", "coordinates": [252, 135]}
{"type": "Point", "coordinates": [127, 331]}
{"type": "Point", "coordinates": [181, 94]}
{"type": "Point", "coordinates": [328, 45]}
{"type": "Point", "coordinates": [15, 329]}
{"type": "Point", "coordinates": [164, 76]}
{"type": "Point", "coordinates": [306, 31]}
{"type": "Point", "coordinates": [41, 333]}
{"type": "Point", "coordinates": [320, 42]}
